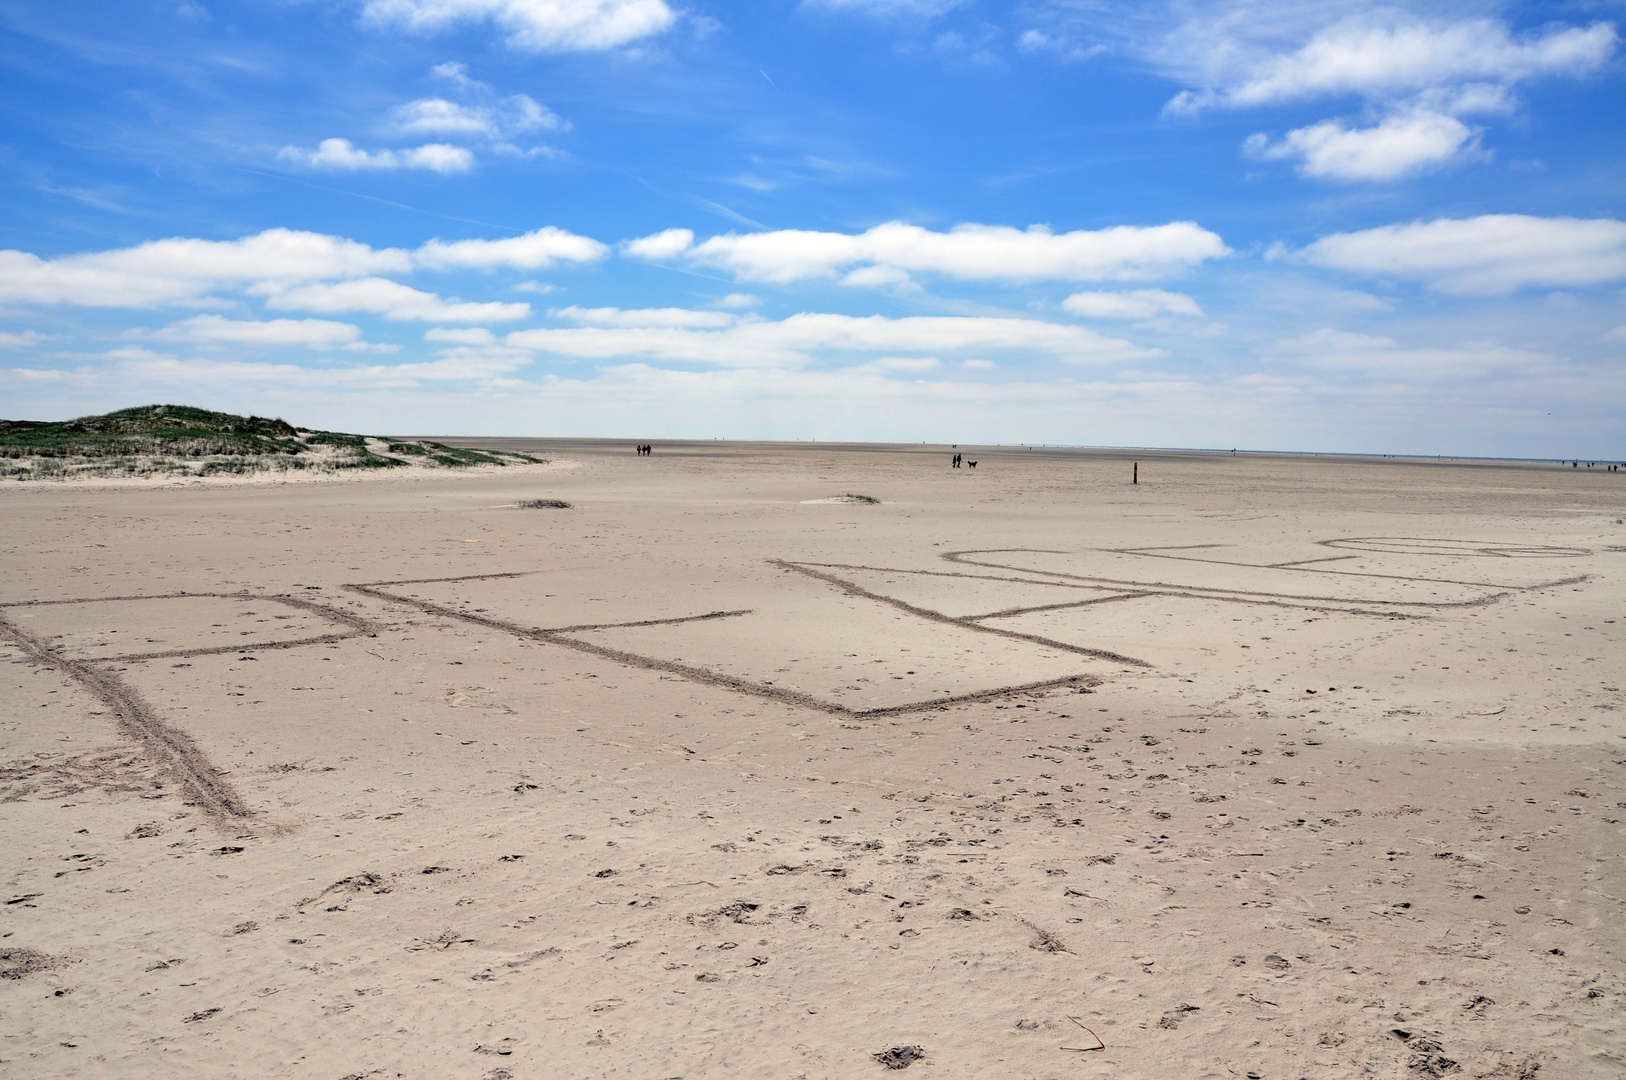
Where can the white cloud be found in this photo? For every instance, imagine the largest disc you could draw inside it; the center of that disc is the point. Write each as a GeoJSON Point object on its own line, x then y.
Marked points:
{"type": "Point", "coordinates": [794, 341]}
{"type": "Point", "coordinates": [522, 113]}
{"type": "Point", "coordinates": [309, 333]}
{"type": "Point", "coordinates": [1617, 334]}
{"type": "Point", "coordinates": [1399, 145]}
{"type": "Point", "coordinates": [662, 245]}
{"type": "Point", "coordinates": [24, 340]}
{"type": "Point", "coordinates": [1138, 304]}
{"type": "Point", "coordinates": [739, 301]}
{"type": "Point", "coordinates": [186, 271]}
{"type": "Point", "coordinates": [180, 270]}
{"type": "Point", "coordinates": [532, 251]}
{"type": "Point", "coordinates": [645, 317]}
{"type": "Point", "coordinates": [969, 252]}
{"type": "Point", "coordinates": [1419, 77]}
{"type": "Point", "coordinates": [1493, 254]}
{"type": "Point", "coordinates": [1384, 58]}
{"type": "Point", "coordinates": [390, 299]}
{"type": "Point", "coordinates": [475, 335]}
{"type": "Point", "coordinates": [978, 365]}
{"type": "Point", "coordinates": [437, 116]}
{"type": "Point", "coordinates": [881, 277]}
{"type": "Point", "coordinates": [537, 25]}
{"type": "Point", "coordinates": [340, 155]}
{"type": "Point", "coordinates": [457, 74]}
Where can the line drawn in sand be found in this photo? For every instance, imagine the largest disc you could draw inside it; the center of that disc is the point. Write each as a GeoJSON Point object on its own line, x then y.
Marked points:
{"type": "Point", "coordinates": [1106, 590]}
{"type": "Point", "coordinates": [567, 637]}
{"type": "Point", "coordinates": [173, 753]}
{"type": "Point", "coordinates": [168, 748]}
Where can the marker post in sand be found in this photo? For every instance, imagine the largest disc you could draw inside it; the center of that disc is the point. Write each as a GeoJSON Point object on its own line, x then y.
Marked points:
{"type": "Point", "coordinates": [1136, 479]}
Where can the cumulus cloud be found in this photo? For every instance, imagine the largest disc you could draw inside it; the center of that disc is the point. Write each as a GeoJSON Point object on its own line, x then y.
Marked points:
{"type": "Point", "coordinates": [186, 271]}
{"type": "Point", "coordinates": [532, 251]}
{"type": "Point", "coordinates": [662, 245]}
{"type": "Point", "coordinates": [438, 116]}
{"type": "Point", "coordinates": [23, 340]}
{"type": "Point", "coordinates": [339, 155]}
{"type": "Point", "coordinates": [1383, 58]}
{"type": "Point", "coordinates": [308, 333]}
{"type": "Point", "coordinates": [968, 252]}
{"type": "Point", "coordinates": [181, 270]}
{"type": "Point", "coordinates": [1138, 304]}
{"type": "Point", "coordinates": [1492, 254]}
{"type": "Point", "coordinates": [1418, 79]}
{"type": "Point", "coordinates": [535, 25]}
{"type": "Point", "coordinates": [798, 339]}
{"type": "Point", "coordinates": [390, 299]}
{"type": "Point", "coordinates": [1398, 146]}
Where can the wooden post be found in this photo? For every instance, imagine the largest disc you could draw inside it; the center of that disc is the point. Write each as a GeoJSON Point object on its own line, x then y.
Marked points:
{"type": "Point", "coordinates": [1136, 480]}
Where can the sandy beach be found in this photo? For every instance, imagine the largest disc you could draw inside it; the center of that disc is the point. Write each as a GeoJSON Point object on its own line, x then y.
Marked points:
{"type": "Point", "coordinates": [1271, 767]}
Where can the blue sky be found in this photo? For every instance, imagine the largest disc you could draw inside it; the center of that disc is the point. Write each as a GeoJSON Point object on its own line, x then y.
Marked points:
{"type": "Point", "coordinates": [1328, 226]}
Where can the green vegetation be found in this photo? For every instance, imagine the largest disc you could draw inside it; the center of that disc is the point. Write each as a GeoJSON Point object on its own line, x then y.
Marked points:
{"type": "Point", "coordinates": [336, 438]}
{"type": "Point", "coordinates": [871, 500]}
{"type": "Point", "coordinates": [181, 440]}
{"type": "Point", "coordinates": [545, 504]}
{"type": "Point", "coordinates": [172, 430]}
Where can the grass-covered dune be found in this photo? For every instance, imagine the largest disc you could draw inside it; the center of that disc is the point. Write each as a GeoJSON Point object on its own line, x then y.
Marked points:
{"type": "Point", "coordinates": [153, 440]}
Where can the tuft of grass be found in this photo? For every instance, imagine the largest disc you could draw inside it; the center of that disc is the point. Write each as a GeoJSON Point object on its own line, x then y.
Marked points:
{"type": "Point", "coordinates": [545, 504]}
{"type": "Point", "coordinates": [367, 460]}
{"type": "Point", "coordinates": [870, 499]}
{"type": "Point", "coordinates": [337, 438]}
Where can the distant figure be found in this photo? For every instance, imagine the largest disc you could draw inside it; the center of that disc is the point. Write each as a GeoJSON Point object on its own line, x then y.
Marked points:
{"type": "Point", "coordinates": [973, 464]}
{"type": "Point", "coordinates": [956, 461]}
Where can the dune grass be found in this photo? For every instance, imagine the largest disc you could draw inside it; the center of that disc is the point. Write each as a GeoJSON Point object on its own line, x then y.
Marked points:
{"type": "Point", "coordinates": [179, 440]}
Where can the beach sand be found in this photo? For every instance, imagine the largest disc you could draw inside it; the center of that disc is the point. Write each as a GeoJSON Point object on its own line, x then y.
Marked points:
{"type": "Point", "coordinates": [1266, 766]}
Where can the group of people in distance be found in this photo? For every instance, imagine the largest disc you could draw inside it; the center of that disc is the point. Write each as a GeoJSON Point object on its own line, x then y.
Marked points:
{"type": "Point", "coordinates": [644, 449]}
{"type": "Point", "coordinates": [958, 459]}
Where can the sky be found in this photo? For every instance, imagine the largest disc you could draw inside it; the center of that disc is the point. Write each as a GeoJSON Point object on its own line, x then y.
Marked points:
{"type": "Point", "coordinates": [1320, 226]}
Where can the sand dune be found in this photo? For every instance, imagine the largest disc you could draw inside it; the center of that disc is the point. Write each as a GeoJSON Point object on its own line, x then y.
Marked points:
{"type": "Point", "coordinates": [1267, 767]}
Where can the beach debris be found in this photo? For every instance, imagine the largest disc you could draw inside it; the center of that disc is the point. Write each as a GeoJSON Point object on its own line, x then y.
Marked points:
{"type": "Point", "coordinates": [899, 1057]}
{"type": "Point", "coordinates": [1100, 1044]}
{"type": "Point", "coordinates": [16, 963]}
